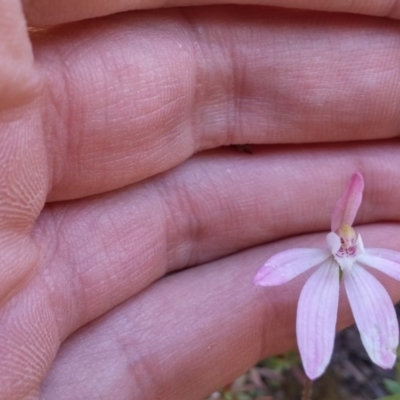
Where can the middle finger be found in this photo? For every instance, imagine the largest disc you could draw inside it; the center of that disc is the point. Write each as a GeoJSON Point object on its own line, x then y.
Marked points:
{"type": "Point", "coordinates": [104, 250]}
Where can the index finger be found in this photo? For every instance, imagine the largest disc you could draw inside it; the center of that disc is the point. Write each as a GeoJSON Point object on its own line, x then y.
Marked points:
{"type": "Point", "coordinates": [49, 12]}
{"type": "Point", "coordinates": [133, 95]}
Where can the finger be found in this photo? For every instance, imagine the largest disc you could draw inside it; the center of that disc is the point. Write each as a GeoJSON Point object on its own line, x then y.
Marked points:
{"type": "Point", "coordinates": [30, 339]}
{"type": "Point", "coordinates": [205, 78]}
{"type": "Point", "coordinates": [99, 252]}
{"type": "Point", "coordinates": [46, 12]}
{"type": "Point", "coordinates": [102, 251]}
{"type": "Point", "coordinates": [215, 325]}
{"type": "Point", "coordinates": [23, 179]}
{"type": "Point", "coordinates": [17, 83]}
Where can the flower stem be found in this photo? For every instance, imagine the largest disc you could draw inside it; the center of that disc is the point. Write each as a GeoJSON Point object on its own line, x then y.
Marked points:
{"type": "Point", "coordinates": [307, 389]}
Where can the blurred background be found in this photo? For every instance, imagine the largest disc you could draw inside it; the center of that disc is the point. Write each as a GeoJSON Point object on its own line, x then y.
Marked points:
{"type": "Point", "coordinates": [350, 376]}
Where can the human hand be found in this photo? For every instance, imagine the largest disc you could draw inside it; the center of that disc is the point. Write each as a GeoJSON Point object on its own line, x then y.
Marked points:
{"type": "Point", "coordinates": [105, 127]}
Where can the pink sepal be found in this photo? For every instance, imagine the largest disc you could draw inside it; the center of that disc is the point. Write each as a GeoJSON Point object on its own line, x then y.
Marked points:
{"type": "Point", "coordinates": [386, 261]}
{"type": "Point", "coordinates": [316, 318]}
{"type": "Point", "coordinates": [288, 264]}
{"type": "Point", "coordinates": [374, 315]}
{"type": "Point", "coordinates": [347, 206]}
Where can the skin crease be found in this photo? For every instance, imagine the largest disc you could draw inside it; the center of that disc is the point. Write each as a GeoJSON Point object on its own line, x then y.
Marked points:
{"type": "Point", "coordinates": [48, 12]}
{"type": "Point", "coordinates": [128, 237]}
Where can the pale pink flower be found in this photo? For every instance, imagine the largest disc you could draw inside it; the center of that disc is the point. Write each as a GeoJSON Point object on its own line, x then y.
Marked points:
{"type": "Point", "coordinates": [345, 260]}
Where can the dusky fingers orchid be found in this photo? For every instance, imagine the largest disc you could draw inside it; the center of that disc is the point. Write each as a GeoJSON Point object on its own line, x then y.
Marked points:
{"type": "Point", "coordinates": [344, 260]}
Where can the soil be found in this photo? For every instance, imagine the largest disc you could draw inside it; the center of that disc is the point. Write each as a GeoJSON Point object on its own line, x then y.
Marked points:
{"type": "Point", "coordinates": [351, 375]}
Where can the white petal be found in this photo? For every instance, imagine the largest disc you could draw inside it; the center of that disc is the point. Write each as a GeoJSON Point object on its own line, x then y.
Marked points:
{"type": "Point", "coordinates": [316, 318]}
{"type": "Point", "coordinates": [374, 315]}
{"type": "Point", "coordinates": [286, 265]}
{"type": "Point", "coordinates": [359, 245]}
{"type": "Point", "coordinates": [333, 242]}
{"type": "Point", "coordinates": [386, 261]}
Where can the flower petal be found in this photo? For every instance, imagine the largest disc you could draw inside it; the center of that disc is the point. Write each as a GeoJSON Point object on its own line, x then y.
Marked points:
{"type": "Point", "coordinates": [286, 265]}
{"type": "Point", "coordinates": [374, 315]}
{"type": "Point", "coordinates": [360, 249]}
{"type": "Point", "coordinates": [333, 242]}
{"type": "Point", "coordinates": [386, 261]}
{"type": "Point", "coordinates": [347, 206]}
{"type": "Point", "coordinates": [316, 318]}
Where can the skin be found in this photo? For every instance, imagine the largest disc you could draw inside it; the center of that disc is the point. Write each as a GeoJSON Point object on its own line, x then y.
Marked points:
{"type": "Point", "coordinates": [113, 177]}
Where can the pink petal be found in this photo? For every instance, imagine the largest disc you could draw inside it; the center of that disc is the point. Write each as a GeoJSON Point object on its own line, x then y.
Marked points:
{"type": "Point", "coordinates": [316, 318]}
{"type": "Point", "coordinates": [346, 208]}
{"type": "Point", "coordinates": [374, 315]}
{"type": "Point", "coordinates": [386, 261]}
{"type": "Point", "coordinates": [286, 265]}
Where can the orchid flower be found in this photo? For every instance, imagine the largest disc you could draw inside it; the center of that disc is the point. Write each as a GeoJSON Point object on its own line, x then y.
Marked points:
{"type": "Point", "coordinates": [343, 260]}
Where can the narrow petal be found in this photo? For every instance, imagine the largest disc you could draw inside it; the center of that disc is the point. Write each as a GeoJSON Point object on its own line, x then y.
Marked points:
{"type": "Point", "coordinates": [346, 208]}
{"type": "Point", "coordinates": [316, 318]}
{"type": "Point", "coordinates": [333, 242]}
{"type": "Point", "coordinates": [360, 245]}
{"type": "Point", "coordinates": [374, 315]}
{"type": "Point", "coordinates": [386, 261]}
{"type": "Point", "coordinates": [286, 265]}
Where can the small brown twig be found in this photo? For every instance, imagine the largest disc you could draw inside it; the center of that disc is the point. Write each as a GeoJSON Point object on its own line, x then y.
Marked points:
{"type": "Point", "coordinates": [307, 389]}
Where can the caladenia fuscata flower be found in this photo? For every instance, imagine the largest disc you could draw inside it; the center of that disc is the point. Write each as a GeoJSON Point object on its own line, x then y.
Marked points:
{"type": "Point", "coordinates": [343, 260]}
